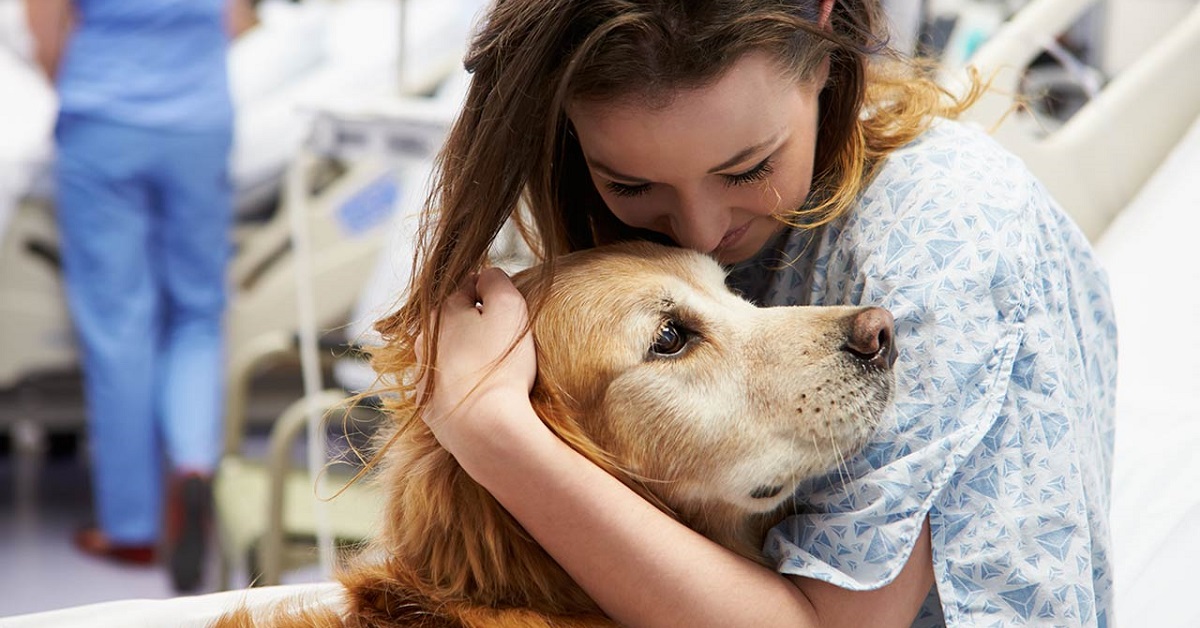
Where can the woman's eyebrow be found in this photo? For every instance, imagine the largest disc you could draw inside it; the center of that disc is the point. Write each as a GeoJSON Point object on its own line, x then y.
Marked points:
{"type": "Point", "coordinates": [612, 174]}
{"type": "Point", "coordinates": [742, 155]}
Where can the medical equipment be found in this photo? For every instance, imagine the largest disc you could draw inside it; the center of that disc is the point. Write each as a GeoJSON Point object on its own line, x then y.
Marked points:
{"type": "Point", "coordinates": [970, 24]}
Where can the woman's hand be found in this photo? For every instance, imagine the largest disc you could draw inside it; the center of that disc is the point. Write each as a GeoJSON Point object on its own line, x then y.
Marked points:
{"type": "Point", "coordinates": [50, 23]}
{"type": "Point", "coordinates": [240, 17]}
{"type": "Point", "coordinates": [476, 385]}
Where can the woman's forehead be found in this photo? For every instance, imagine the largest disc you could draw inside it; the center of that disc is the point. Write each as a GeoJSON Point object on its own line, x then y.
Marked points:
{"type": "Point", "coordinates": [748, 105]}
{"type": "Point", "coordinates": [755, 70]}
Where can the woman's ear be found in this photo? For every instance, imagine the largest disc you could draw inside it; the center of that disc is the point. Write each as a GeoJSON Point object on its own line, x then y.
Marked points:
{"type": "Point", "coordinates": [821, 78]}
{"type": "Point", "coordinates": [826, 11]}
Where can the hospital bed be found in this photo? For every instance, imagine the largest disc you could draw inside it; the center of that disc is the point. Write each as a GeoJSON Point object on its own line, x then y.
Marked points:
{"type": "Point", "coordinates": [1140, 207]}
{"type": "Point", "coordinates": [276, 73]}
{"type": "Point", "coordinates": [34, 332]}
{"type": "Point", "coordinates": [1097, 161]}
{"type": "Point", "coordinates": [1149, 250]}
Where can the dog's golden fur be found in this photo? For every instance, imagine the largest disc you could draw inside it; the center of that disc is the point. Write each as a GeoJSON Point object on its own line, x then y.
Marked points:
{"type": "Point", "coordinates": [717, 434]}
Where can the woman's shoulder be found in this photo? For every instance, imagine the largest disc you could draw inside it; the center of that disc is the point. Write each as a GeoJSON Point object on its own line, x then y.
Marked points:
{"type": "Point", "coordinates": [951, 156]}
{"type": "Point", "coordinates": [947, 138]}
{"type": "Point", "coordinates": [951, 209]}
{"type": "Point", "coordinates": [952, 182]}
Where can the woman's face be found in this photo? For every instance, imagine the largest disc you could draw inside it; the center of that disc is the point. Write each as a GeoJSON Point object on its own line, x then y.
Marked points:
{"type": "Point", "coordinates": [712, 167]}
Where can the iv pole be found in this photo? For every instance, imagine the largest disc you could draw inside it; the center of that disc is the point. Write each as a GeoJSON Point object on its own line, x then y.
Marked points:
{"type": "Point", "coordinates": [297, 183]}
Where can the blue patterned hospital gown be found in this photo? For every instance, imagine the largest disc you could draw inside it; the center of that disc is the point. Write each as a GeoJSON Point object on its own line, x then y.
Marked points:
{"type": "Point", "coordinates": [1002, 427]}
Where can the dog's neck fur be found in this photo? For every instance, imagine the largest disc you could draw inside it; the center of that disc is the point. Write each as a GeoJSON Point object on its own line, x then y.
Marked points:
{"type": "Point", "coordinates": [458, 542]}
{"type": "Point", "coordinates": [447, 533]}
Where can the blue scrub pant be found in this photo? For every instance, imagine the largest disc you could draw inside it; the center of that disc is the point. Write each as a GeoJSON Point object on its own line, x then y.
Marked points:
{"type": "Point", "coordinates": [144, 217]}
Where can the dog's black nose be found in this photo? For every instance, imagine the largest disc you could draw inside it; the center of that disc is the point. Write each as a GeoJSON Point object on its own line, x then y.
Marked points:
{"type": "Point", "coordinates": [871, 338]}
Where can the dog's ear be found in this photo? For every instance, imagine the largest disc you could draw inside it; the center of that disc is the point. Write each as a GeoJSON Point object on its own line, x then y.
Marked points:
{"type": "Point", "coordinates": [552, 407]}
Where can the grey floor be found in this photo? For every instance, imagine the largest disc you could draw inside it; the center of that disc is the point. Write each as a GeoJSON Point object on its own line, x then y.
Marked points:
{"type": "Point", "coordinates": [45, 497]}
{"type": "Point", "coordinates": [41, 570]}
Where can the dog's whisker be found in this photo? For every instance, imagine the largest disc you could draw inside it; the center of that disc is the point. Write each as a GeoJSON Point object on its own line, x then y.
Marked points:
{"type": "Point", "coordinates": [843, 469]}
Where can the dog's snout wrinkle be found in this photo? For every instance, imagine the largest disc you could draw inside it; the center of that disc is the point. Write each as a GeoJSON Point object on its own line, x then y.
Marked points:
{"type": "Point", "coordinates": [871, 338]}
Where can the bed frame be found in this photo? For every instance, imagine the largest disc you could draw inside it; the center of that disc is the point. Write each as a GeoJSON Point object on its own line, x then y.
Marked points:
{"type": "Point", "coordinates": [1101, 157]}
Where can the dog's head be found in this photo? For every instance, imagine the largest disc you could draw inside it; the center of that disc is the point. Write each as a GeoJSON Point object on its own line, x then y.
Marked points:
{"type": "Point", "coordinates": [705, 399]}
{"type": "Point", "coordinates": [710, 407]}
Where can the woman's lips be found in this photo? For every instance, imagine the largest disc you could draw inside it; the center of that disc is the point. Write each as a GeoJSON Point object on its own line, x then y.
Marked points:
{"type": "Point", "coordinates": [732, 237]}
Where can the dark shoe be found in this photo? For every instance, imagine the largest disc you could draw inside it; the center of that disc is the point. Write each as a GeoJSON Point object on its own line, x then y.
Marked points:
{"type": "Point", "coordinates": [91, 541]}
{"type": "Point", "coordinates": [187, 530]}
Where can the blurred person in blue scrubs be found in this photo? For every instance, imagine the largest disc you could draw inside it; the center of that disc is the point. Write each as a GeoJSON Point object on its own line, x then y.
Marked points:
{"type": "Point", "coordinates": [144, 206]}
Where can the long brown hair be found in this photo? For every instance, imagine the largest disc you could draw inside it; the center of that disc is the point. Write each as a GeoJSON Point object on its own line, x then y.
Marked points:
{"type": "Point", "coordinates": [512, 143]}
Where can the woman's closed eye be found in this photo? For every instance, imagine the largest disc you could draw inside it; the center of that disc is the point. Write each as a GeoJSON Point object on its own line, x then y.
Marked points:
{"type": "Point", "coordinates": [627, 190]}
{"type": "Point", "coordinates": [760, 171]}
{"type": "Point", "coordinates": [757, 173]}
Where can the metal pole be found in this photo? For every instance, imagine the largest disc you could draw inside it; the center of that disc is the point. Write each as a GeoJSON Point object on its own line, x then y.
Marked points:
{"type": "Point", "coordinates": [297, 194]}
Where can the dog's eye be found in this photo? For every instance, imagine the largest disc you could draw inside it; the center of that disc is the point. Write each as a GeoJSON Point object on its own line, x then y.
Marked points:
{"type": "Point", "coordinates": [671, 340]}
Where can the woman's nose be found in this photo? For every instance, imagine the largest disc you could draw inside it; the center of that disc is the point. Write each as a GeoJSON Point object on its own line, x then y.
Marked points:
{"type": "Point", "coordinates": [698, 225]}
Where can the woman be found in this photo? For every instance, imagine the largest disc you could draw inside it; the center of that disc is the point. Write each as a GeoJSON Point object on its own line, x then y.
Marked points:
{"type": "Point", "coordinates": [144, 207]}
{"type": "Point", "coordinates": [787, 142]}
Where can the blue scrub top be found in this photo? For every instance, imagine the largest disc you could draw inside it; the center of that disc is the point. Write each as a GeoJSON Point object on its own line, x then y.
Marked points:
{"type": "Point", "coordinates": [149, 63]}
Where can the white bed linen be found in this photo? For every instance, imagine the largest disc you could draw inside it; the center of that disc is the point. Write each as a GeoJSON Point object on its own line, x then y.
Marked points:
{"type": "Point", "coordinates": [179, 612]}
{"type": "Point", "coordinates": [1150, 251]}
{"type": "Point", "coordinates": [26, 119]}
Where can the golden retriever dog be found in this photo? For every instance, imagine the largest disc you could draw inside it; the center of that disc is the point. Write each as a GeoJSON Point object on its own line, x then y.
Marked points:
{"type": "Point", "coordinates": [711, 408]}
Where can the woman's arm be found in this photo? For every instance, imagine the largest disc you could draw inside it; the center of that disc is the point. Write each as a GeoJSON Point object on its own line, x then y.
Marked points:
{"type": "Point", "coordinates": [50, 23]}
{"type": "Point", "coordinates": [646, 569]}
{"type": "Point", "coordinates": [641, 566]}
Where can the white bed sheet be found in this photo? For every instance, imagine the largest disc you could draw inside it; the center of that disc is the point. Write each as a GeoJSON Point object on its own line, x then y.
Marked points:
{"type": "Point", "coordinates": [180, 612]}
{"type": "Point", "coordinates": [1150, 251]}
